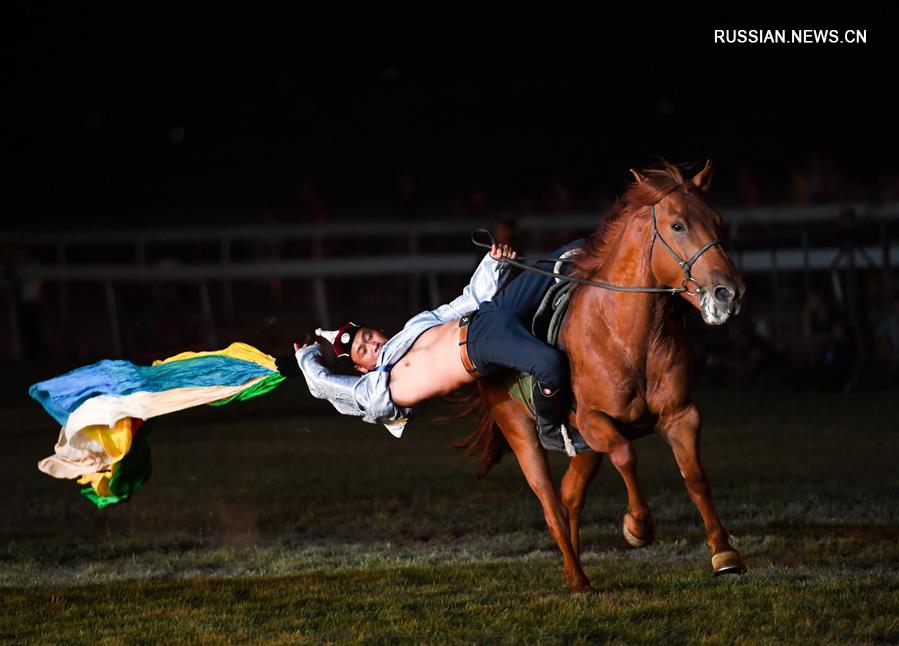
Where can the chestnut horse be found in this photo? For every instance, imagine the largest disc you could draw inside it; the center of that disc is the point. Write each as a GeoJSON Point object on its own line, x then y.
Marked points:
{"type": "Point", "coordinates": [629, 361]}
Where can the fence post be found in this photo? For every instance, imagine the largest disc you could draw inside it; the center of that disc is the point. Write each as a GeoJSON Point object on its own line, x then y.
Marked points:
{"type": "Point", "coordinates": [140, 251]}
{"type": "Point", "coordinates": [414, 277]}
{"type": "Point", "coordinates": [227, 294]}
{"type": "Point", "coordinates": [887, 267]}
{"type": "Point", "coordinates": [806, 264]}
{"type": "Point", "coordinates": [113, 319]}
{"type": "Point", "coordinates": [15, 334]}
{"type": "Point", "coordinates": [775, 295]}
{"type": "Point", "coordinates": [853, 303]}
{"type": "Point", "coordinates": [318, 286]}
{"type": "Point", "coordinates": [63, 288]}
{"type": "Point", "coordinates": [206, 308]}
{"type": "Point", "coordinates": [433, 290]}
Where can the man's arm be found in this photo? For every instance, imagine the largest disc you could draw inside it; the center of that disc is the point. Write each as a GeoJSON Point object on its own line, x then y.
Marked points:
{"type": "Point", "coordinates": [367, 396]}
{"type": "Point", "coordinates": [485, 282]}
{"type": "Point", "coordinates": [324, 384]}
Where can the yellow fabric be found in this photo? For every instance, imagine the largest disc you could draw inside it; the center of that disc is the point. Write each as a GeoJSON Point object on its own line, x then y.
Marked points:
{"type": "Point", "coordinates": [116, 442]}
{"type": "Point", "coordinates": [236, 350]}
{"type": "Point", "coordinates": [99, 481]}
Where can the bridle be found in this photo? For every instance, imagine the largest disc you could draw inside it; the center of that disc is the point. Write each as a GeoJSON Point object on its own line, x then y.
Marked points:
{"type": "Point", "coordinates": [685, 265]}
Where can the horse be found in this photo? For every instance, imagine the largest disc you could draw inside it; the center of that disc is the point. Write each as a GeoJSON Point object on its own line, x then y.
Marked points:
{"type": "Point", "coordinates": [629, 361]}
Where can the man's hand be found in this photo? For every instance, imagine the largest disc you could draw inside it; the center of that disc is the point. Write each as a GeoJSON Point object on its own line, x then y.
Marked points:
{"type": "Point", "coordinates": [307, 341]}
{"type": "Point", "coordinates": [503, 252]}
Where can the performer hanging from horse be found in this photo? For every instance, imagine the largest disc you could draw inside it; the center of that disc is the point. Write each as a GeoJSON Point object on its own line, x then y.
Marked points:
{"type": "Point", "coordinates": [363, 373]}
{"type": "Point", "coordinates": [628, 360]}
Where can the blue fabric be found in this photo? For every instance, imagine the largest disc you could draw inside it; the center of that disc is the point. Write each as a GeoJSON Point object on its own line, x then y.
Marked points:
{"type": "Point", "coordinates": [61, 395]}
{"type": "Point", "coordinates": [500, 335]}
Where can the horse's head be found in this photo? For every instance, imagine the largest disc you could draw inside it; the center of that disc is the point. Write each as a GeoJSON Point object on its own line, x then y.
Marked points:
{"type": "Point", "coordinates": [684, 248]}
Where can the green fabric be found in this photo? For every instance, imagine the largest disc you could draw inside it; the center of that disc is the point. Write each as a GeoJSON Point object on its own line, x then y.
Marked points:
{"type": "Point", "coordinates": [260, 388]}
{"type": "Point", "coordinates": [131, 472]}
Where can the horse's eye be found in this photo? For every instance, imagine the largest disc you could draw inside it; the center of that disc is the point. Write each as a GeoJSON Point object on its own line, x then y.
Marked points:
{"type": "Point", "coordinates": [677, 226]}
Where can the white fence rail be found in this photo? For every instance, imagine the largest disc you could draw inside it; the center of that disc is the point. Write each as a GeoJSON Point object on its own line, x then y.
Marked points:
{"type": "Point", "coordinates": [429, 266]}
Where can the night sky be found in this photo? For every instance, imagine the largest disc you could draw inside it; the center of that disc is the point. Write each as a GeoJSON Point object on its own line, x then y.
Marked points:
{"type": "Point", "coordinates": [105, 119]}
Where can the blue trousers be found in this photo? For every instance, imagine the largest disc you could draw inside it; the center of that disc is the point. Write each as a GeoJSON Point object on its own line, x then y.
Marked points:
{"type": "Point", "coordinates": [500, 335]}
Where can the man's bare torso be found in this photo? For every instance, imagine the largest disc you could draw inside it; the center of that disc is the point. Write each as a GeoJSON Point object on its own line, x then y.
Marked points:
{"type": "Point", "coordinates": [432, 367]}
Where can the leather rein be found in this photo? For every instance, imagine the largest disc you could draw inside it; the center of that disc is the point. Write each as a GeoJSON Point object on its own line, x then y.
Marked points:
{"type": "Point", "coordinates": [685, 265]}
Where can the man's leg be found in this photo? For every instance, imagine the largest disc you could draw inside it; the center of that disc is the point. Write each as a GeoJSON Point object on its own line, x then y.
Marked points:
{"type": "Point", "coordinates": [498, 339]}
{"type": "Point", "coordinates": [513, 310]}
{"type": "Point", "coordinates": [550, 406]}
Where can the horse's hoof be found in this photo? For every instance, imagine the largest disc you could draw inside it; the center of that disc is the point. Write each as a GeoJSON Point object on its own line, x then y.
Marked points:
{"type": "Point", "coordinates": [581, 589]}
{"type": "Point", "coordinates": [633, 539]}
{"type": "Point", "coordinates": [728, 563]}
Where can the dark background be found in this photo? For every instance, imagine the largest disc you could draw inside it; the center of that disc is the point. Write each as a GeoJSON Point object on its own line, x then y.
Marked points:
{"type": "Point", "coordinates": [111, 115]}
{"type": "Point", "coordinates": [156, 121]}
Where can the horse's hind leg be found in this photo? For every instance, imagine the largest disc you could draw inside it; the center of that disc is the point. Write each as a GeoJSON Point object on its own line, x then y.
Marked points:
{"type": "Point", "coordinates": [580, 473]}
{"type": "Point", "coordinates": [519, 432]}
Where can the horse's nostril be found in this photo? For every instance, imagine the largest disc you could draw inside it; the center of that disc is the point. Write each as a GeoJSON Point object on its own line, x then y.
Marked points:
{"type": "Point", "coordinates": [724, 294]}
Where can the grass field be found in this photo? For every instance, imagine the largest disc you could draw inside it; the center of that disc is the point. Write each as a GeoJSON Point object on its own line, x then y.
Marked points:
{"type": "Point", "coordinates": [275, 521]}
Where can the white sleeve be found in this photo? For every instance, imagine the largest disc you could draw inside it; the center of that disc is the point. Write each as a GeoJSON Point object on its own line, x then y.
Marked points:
{"type": "Point", "coordinates": [324, 384]}
{"type": "Point", "coordinates": [485, 282]}
{"type": "Point", "coordinates": [366, 396]}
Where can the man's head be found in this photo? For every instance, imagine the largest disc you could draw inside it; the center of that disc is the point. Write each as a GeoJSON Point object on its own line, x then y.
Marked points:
{"type": "Point", "coordinates": [353, 349]}
{"type": "Point", "coordinates": [366, 348]}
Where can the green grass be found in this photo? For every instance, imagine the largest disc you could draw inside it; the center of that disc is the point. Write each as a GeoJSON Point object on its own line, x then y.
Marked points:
{"type": "Point", "coordinates": [271, 521]}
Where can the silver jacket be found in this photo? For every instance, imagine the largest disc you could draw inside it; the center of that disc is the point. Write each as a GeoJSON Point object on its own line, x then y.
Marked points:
{"type": "Point", "coordinates": [368, 396]}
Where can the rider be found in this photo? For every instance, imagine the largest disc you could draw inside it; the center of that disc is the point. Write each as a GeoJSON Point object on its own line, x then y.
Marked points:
{"type": "Point", "coordinates": [363, 373]}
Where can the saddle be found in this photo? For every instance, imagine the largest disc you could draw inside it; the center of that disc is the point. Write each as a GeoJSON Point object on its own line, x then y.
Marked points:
{"type": "Point", "coordinates": [545, 325]}
{"type": "Point", "coordinates": [549, 315]}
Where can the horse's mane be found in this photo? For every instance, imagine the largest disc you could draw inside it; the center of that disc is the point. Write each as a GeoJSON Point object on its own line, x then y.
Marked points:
{"type": "Point", "coordinates": [659, 182]}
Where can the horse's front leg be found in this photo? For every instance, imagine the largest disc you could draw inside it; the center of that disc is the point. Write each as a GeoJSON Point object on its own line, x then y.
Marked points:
{"type": "Point", "coordinates": [681, 430]}
{"type": "Point", "coordinates": [600, 433]}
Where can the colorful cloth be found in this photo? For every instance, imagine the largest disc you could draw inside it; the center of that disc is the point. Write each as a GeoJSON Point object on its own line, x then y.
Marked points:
{"type": "Point", "coordinates": [102, 406]}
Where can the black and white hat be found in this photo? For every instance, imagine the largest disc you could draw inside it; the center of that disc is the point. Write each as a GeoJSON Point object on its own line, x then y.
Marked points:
{"type": "Point", "coordinates": [341, 341]}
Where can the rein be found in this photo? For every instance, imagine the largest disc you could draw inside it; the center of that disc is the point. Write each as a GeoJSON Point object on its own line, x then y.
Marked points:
{"type": "Point", "coordinates": [685, 265]}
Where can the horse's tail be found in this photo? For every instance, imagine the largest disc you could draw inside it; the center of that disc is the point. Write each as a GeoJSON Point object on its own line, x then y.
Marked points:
{"type": "Point", "coordinates": [486, 443]}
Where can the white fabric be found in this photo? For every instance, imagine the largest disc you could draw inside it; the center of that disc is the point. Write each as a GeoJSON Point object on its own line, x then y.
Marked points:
{"type": "Point", "coordinates": [75, 454]}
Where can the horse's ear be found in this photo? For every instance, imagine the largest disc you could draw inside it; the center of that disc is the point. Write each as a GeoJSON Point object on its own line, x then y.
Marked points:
{"type": "Point", "coordinates": [637, 176]}
{"type": "Point", "coordinates": [703, 179]}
